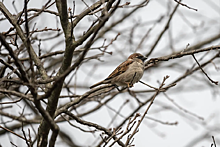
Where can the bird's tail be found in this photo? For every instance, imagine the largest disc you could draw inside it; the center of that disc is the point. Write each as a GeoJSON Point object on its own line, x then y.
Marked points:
{"type": "Point", "coordinates": [97, 84]}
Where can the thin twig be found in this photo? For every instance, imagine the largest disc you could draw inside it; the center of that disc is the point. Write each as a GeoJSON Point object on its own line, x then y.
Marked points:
{"type": "Point", "coordinates": [213, 142]}
{"type": "Point", "coordinates": [215, 82]}
{"type": "Point", "coordinates": [90, 124]}
{"type": "Point", "coordinates": [6, 129]}
{"type": "Point", "coordinates": [11, 102]}
{"type": "Point", "coordinates": [162, 89]}
{"type": "Point", "coordinates": [181, 108]}
{"type": "Point", "coordinates": [162, 122]}
{"type": "Point", "coordinates": [181, 54]}
{"type": "Point", "coordinates": [186, 5]}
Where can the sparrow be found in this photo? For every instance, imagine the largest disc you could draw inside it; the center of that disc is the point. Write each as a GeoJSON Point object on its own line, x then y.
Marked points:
{"type": "Point", "coordinates": [127, 73]}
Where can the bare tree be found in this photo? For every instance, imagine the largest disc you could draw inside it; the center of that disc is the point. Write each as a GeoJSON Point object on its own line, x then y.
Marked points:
{"type": "Point", "coordinates": [52, 53]}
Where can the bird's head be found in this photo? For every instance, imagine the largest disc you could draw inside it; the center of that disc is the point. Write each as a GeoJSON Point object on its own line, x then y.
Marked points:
{"type": "Point", "coordinates": [137, 56]}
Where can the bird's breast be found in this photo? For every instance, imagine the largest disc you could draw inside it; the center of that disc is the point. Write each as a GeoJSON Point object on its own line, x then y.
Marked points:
{"type": "Point", "coordinates": [132, 75]}
{"type": "Point", "coordinates": [135, 72]}
{"type": "Point", "coordinates": [136, 66]}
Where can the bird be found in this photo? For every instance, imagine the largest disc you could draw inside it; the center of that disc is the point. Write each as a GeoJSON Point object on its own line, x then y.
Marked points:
{"type": "Point", "coordinates": [127, 73]}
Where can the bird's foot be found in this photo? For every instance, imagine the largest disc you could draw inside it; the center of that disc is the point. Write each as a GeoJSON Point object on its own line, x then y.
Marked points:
{"type": "Point", "coordinates": [129, 85]}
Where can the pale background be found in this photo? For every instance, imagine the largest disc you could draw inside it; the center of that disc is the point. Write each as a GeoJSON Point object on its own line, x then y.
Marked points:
{"type": "Point", "coordinates": [200, 100]}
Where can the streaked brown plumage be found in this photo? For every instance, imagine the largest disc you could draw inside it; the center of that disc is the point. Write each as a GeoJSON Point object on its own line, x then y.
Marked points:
{"type": "Point", "coordinates": [127, 73]}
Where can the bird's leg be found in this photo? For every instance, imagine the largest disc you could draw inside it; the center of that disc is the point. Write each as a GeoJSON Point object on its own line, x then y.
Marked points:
{"type": "Point", "coordinates": [129, 84]}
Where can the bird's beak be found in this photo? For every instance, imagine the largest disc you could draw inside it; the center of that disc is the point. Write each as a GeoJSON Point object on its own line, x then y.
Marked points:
{"type": "Point", "coordinates": [143, 58]}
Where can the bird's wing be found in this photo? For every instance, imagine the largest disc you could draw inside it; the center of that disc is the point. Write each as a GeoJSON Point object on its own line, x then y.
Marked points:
{"type": "Point", "coordinates": [120, 69]}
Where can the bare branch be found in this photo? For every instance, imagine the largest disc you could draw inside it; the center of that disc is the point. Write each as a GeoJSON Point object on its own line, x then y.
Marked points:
{"type": "Point", "coordinates": [185, 5]}
{"type": "Point", "coordinates": [215, 82]}
{"type": "Point", "coordinates": [13, 133]}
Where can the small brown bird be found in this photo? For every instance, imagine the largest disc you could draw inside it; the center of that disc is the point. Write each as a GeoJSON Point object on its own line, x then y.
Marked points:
{"type": "Point", "coordinates": [127, 73]}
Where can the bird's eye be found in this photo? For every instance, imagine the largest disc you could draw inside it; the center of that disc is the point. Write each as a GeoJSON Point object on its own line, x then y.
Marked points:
{"type": "Point", "coordinates": [139, 57]}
